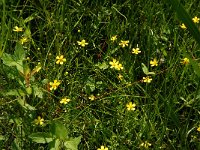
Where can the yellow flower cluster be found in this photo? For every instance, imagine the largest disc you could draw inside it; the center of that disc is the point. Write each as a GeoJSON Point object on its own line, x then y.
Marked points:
{"type": "Point", "coordinates": [195, 20]}
{"type": "Point", "coordinates": [116, 65]}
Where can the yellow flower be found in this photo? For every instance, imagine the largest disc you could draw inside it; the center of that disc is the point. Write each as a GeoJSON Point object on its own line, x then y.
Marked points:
{"type": "Point", "coordinates": [113, 63]}
{"type": "Point", "coordinates": [82, 43]}
{"type": "Point", "coordinates": [185, 61]}
{"type": "Point", "coordinates": [92, 97]}
{"type": "Point", "coordinates": [154, 62]}
{"type": "Point", "coordinates": [23, 40]}
{"type": "Point", "coordinates": [119, 67]}
{"type": "Point", "coordinates": [39, 121]}
{"type": "Point", "coordinates": [136, 51]}
{"type": "Point", "coordinates": [79, 30]}
{"type": "Point", "coordinates": [17, 29]}
{"type": "Point", "coordinates": [198, 129]}
{"type": "Point", "coordinates": [145, 144]}
{"type": "Point", "coordinates": [195, 19]}
{"type": "Point", "coordinates": [65, 100]}
{"type": "Point", "coordinates": [120, 77]}
{"type": "Point", "coordinates": [130, 106]}
{"type": "Point", "coordinates": [60, 59]}
{"type": "Point", "coordinates": [123, 43]}
{"type": "Point", "coordinates": [54, 85]}
{"type": "Point", "coordinates": [103, 148]}
{"type": "Point", "coordinates": [183, 26]}
{"type": "Point", "coordinates": [147, 79]}
{"type": "Point", "coordinates": [114, 38]}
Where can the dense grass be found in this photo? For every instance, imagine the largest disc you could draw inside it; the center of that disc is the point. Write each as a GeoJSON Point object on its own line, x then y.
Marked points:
{"type": "Point", "coordinates": [167, 109]}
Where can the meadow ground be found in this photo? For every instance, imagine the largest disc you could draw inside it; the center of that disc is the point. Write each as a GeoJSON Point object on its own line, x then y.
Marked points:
{"type": "Point", "coordinates": [99, 74]}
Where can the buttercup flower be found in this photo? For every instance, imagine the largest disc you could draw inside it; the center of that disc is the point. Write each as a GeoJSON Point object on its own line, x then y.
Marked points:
{"type": "Point", "coordinates": [183, 26]}
{"type": "Point", "coordinates": [113, 38]}
{"type": "Point", "coordinates": [185, 61]}
{"type": "Point", "coordinates": [82, 43]}
{"type": "Point", "coordinates": [130, 106]}
{"type": "Point", "coordinates": [195, 19]}
{"type": "Point", "coordinates": [154, 62]}
{"type": "Point", "coordinates": [123, 43]}
{"type": "Point", "coordinates": [103, 148]}
{"type": "Point", "coordinates": [136, 51]}
{"type": "Point", "coordinates": [92, 97]}
{"type": "Point", "coordinates": [23, 40]}
{"type": "Point", "coordinates": [198, 129]}
{"type": "Point", "coordinates": [113, 63]}
{"type": "Point", "coordinates": [60, 59]}
{"type": "Point", "coordinates": [17, 29]}
{"type": "Point", "coordinates": [39, 121]}
{"type": "Point", "coordinates": [145, 144]}
{"type": "Point", "coordinates": [119, 67]}
{"type": "Point", "coordinates": [65, 100]}
{"type": "Point", "coordinates": [147, 79]}
{"type": "Point", "coordinates": [120, 77]}
{"type": "Point", "coordinates": [54, 85]}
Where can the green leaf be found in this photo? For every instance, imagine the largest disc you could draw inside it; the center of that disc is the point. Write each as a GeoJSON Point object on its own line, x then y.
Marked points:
{"type": "Point", "coordinates": [37, 91]}
{"type": "Point", "coordinates": [59, 130]}
{"type": "Point", "coordinates": [25, 105]}
{"type": "Point", "coordinates": [2, 138]}
{"type": "Point", "coordinates": [102, 65]}
{"type": "Point", "coordinates": [145, 69]}
{"type": "Point", "coordinates": [15, 92]}
{"type": "Point", "coordinates": [151, 73]}
{"type": "Point", "coordinates": [41, 137]}
{"type": "Point", "coordinates": [9, 60]}
{"type": "Point", "coordinates": [72, 144]}
{"type": "Point", "coordinates": [19, 53]}
{"type": "Point", "coordinates": [54, 145]}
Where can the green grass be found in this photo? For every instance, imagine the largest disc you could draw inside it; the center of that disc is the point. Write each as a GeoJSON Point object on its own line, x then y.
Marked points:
{"type": "Point", "coordinates": [167, 109]}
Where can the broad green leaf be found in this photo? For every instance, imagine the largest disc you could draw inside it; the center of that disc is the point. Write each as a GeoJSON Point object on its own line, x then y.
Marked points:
{"type": "Point", "coordinates": [41, 137]}
{"type": "Point", "coordinates": [54, 145]}
{"type": "Point", "coordinates": [15, 92]}
{"type": "Point", "coordinates": [2, 138]}
{"type": "Point", "coordinates": [9, 60]}
{"type": "Point", "coordinates": [145, 69]}
{"type": "Point", "coordinates": [37, 91]}
{"type": "Point", "coordinates": [25, 105]}
{"type": "Point", "coordinates": [59, 130]}
{"type": "Point", "coordinates": [72, 144]}
{"type": "Point", "coordinates": [16, 144]}
{"type": "Point", "coordinates": [102, 65]}
{"type": "Point", "coordinates": [19, 53]}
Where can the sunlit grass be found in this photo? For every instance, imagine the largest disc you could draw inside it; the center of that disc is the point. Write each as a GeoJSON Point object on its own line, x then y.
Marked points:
{"type": "Point", "coordinates": [99, 75]}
